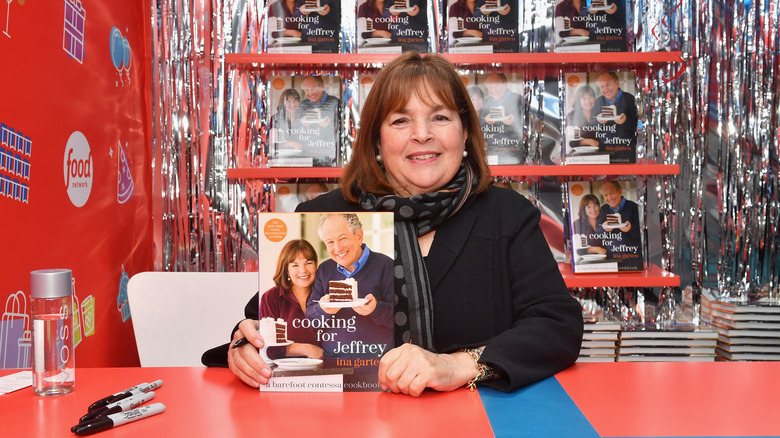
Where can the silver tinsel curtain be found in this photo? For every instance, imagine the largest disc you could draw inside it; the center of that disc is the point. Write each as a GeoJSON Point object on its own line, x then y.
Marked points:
{"type": "Point", "coordinates": [716, 115]}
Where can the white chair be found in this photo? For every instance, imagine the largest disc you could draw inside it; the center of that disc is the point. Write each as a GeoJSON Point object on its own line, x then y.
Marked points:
{"type": "Point", "coordinates": [179, 315]}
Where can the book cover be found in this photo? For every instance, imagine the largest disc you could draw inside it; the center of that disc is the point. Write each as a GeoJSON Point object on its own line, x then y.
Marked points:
{"type": "Point", "coordinates": [605, 226]}
{"type": "Point", "coordinates": [287, 196]}
{"type": "Point", "coordinates": [498, 99]}
{"type": "Point", "coordinates": [393, 26]}
{"type": "Point", "coordinates": [601, 118]}
{"type": "Point", "coordinates": [303, 130]}
{"type": "Point", "coordinates": [349, 317]}
{"type": "Point", "coordinates": [304, 26]}
{"type": "Point", "coordinates": [590, 26]}
{"type": "Point", "coordinates": [484, 26]}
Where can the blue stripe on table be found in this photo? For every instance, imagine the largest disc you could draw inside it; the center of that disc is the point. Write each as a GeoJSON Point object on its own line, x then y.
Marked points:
{"type": "Point", "coordinates": [543, 409]}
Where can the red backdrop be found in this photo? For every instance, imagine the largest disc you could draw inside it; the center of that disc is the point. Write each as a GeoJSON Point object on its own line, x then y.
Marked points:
{"type": "Point", "coordinates": [75, 167]}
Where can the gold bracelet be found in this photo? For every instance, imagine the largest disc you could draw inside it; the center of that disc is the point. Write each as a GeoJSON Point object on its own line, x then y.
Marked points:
{"type": "Point", "coordinates": [484, 372]}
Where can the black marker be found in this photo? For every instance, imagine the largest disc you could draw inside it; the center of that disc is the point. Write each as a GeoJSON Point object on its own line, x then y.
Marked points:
{"type": "Point", "coordinates": [240, 342]}
{"type": "Point", "coordinates": [110, 421]}
{"type": "Point", "coordinates": [138, 389]}
{"type": "Point", "coordinates": [120, 406]}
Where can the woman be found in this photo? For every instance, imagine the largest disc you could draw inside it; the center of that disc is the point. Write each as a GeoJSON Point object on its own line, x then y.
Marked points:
{"type": "Point", "coordinates": [283, 10]}
{"type": "Point", "coordinates": [486, 303]}
{"type": "Point", "coordinates": [283, 121]}
{"type": "Point", "coordinates": [582, 116]}
{"type": "Point", "coordinates": [375, 10]}
{"type": "Point", "coordinates": [576, 11]}
{"type": "Point", "coordinates": [587, 224]}
{"type": "Point", "coordinates": [465, 9]}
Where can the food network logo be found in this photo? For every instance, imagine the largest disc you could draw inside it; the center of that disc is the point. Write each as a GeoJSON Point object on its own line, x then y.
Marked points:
{"type": "Point", "coordinates": [77, 169]}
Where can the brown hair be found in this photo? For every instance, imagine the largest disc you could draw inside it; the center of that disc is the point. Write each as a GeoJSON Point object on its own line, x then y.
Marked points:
{"type": "Point", "coordinates": [430, 77]}
{"type": "Point", "coordinates": [288, 255]}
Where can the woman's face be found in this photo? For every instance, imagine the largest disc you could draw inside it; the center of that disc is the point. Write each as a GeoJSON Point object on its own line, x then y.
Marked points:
{"type": "Point", "coordinates": [302, 271]}
{"type": "Point", "coordinates": [587, 101]}
{"type": "Point", "coordinates": [477, 101]}
{"type": "Point", "coordinates": [592, 210]}
{"type": "Point", "coordinates": [422, 145]}
{"type": "Point", "coordinates": [291, 104]}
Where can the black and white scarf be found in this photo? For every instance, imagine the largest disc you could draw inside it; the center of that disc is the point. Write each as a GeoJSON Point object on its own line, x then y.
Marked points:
{"type": "Point", "coordinates": [415, 216]}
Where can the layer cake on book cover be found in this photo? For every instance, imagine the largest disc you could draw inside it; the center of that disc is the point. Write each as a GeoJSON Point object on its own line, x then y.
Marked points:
{"type": "Point", "coordinates": [331, 346]}
{"type": "Point", "coordinates": [605, 226]}
{"type": "Point", "coordinates": [303, 130]}
{"type": "Point", "coordinates": [310, 26]}
{"type": "Point", "coordinates": [601, 118]}
{"type": "Point", "coordinates": [393, 26]}
{"type": "Point", "coordinates": [489, 26]}
{"type": "Point", "coordinates": [498, 99]}
{"type": "Point", "coordinates": [590, 26]}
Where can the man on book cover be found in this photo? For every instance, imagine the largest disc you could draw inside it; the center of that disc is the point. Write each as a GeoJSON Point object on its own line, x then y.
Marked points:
{"type": "Point", "coordinates": [503, 126]}
{"type": "Point", "coordinates": [318, 115]}
{"type": "Point", "coordinates": [370, 326]}
{"type": "Point", "coordinates": [619, 217]}
{"type": "Point", "coordinates": [616, 112]}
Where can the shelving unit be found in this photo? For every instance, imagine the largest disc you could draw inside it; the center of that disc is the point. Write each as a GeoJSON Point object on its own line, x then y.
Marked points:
{"type": "Point", "coordinates": [653, 276]}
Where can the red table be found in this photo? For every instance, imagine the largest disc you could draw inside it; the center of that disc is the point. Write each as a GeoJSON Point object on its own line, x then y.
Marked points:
{"type": "Point", "coordinates": [587, 400]}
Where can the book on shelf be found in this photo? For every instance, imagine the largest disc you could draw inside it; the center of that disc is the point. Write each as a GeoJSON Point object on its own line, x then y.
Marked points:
{"type": "Point", "coordinates": [739, 348]}
{"type": "Point", "coordinates": [751, 325]}
{"type": "Point", "coordinates": [748, 340]}
{"type": "Point", "coordinates": [741, 332]}
{"type": "Point", "coordinates": [393, 27]}
{"type": "Point", "coordinates": [598, 344]}
{"type": "Point", "coordinates": [490, 27]}
{"type": "Point", "coordinates": [303, 130]}
{"type": "Point", "coordinates": [351, 344]}
{"type": "Point", "coordinates": [601, 118]}
{"type": "Point", "coordinates": [651, 342]}
{"type": "Point", "coordinates": [604, 358]}
{"type": "Point", "coordinates": [287, 196]}
{"type": "Point", "coordinates": [597, 26]}
{"type": "Point", "coordinates": [672, 331]}
{"type": "Point", "coordinates": [602, 325]}
{"type": "Point", "coordinates": [605, 226]}
{"type": "Point", "coordinates": [598, 351]}
{"type": "Point", "coordinates": [748, 356]}
{"type": "Point", "coordinates": [716, 314]}
{"type": "Point", "coordinates": [601, 336]}
{"type": "Point", "coordinates": [666, 350]}
{"type": "Point", "coordinates": [498, 99]}
{"type": "Point", "coordinates": [711, 299]}
{"type": "Point", "coordinates": [311, 26]}
{"type": "Point", "coordinates": [666, 358]}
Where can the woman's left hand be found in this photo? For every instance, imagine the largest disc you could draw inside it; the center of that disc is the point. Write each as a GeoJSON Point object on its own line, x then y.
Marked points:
{"type": "Point", "coordinates": [409, 369]}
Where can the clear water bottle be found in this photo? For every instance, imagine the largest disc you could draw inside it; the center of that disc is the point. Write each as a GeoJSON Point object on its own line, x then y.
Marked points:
{"type": "Point", "coordinates": [53, 362]}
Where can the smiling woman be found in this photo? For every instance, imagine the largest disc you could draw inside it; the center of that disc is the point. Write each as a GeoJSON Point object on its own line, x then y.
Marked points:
{"type": "Point", "coordinates": [478, 295]}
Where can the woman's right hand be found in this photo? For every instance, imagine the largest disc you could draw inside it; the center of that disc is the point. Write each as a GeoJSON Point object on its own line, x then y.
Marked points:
{"type": "Point", "coordinates": [245, 361]}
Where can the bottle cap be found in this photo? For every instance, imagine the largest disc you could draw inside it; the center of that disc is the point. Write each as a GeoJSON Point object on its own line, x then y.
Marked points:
{"type": "Point", "coordinates": [51, 283]}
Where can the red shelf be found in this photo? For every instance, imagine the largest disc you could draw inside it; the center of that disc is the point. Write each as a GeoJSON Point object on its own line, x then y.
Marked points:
{"type": "Point", "coordinates": [651, 277]}
{"type": "Point", "coordinates": [645, 167]}
{"type": "Point", "coordinates": [347, 59]}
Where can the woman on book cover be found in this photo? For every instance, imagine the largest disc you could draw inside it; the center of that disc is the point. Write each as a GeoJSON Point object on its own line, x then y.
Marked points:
{"type": "Point", "coordinates": [576, 11]}
{"type": "Point", "coordinates": [283, 122]}
{"type": "Point", "coordinates": [281, 11]}
{"type": "Point", "coordinates": [466, 10]}
{"type": "Point", "coordinates": [478, 101]}
{"type": "Point", "coordinates": [587, 224]}
{"type": "Point", "coordinates": [379, 15]}
{"type": "Point", "coordinates": [582, 115]}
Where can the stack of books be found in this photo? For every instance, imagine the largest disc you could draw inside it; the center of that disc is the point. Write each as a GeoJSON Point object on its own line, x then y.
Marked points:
{"type": "Point", "coordinates": [599, 341]}
{"type": "Point", "coordinates": [746, 330]}
{"type": "Point", "coordinates": [667, 343]}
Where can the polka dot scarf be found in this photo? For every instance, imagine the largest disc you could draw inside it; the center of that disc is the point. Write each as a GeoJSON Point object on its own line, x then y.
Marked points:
{"type": "Point", "coordinates": [416, 216]}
